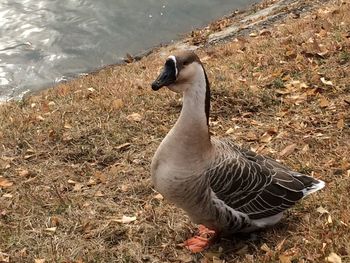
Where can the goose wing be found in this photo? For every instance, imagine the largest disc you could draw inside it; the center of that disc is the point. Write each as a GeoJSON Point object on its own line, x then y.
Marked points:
{"type": "Point", "coordinates": [256, 185]}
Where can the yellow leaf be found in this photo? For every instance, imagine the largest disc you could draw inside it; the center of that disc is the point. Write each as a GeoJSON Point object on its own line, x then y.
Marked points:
{"type": "Point", "coordinates": [4, 182]}
{"type": "Point", "coordinates": [333, 258]}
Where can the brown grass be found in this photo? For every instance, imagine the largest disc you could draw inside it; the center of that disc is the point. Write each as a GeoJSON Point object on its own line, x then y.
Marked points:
{"type": "Point", "coordinates": [77, 162]}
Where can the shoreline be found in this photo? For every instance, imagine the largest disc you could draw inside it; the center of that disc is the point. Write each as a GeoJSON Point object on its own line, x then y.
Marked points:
{"type": "Point", "coordinates": [239, 23]}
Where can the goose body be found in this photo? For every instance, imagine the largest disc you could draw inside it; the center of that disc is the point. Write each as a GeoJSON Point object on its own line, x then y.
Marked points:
{"type": "Point", "coordinates": [218, 184]}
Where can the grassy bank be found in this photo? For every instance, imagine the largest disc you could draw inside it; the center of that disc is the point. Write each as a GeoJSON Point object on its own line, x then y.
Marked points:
{"type": "Point", "coordinates": [75, 159]}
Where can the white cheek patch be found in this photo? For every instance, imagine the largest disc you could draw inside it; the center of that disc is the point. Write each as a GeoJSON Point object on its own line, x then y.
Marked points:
{"type": "Point", "coordinates": [173, 58]}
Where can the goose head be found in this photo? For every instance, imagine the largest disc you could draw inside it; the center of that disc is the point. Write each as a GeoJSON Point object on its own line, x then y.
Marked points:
{"type": "Point", "coordinates": [180, 72]}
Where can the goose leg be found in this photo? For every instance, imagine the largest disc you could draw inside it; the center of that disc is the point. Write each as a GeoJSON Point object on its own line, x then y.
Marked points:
{"type": "Point", "coordinates": [202, 240]}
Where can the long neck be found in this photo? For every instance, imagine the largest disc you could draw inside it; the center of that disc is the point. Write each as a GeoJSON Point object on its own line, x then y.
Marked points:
{"type": "Point", "coordinates": [193, 123]}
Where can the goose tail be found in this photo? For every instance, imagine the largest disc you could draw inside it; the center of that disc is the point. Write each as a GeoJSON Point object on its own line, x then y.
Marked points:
{"type": "Point", "coordinates": [314, 187]}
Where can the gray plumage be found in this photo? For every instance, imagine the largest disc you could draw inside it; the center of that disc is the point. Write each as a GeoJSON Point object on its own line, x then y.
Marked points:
{"type": "Point", "coordinates": [217, 183]}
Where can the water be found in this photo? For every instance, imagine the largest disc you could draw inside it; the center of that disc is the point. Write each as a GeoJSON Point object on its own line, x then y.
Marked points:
{"type": "Point", "coordinates": [43, 42]}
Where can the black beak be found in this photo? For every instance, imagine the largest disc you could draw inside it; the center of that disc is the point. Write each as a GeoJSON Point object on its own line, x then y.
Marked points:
{"type": "Point", "coordinates": [166, 77]}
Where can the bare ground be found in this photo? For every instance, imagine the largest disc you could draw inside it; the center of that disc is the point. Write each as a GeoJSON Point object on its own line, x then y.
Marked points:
{"type": "Point", "coordinates": [75, 159]}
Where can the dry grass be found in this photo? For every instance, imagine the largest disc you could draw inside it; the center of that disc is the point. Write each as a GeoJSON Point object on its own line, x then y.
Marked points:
{"type": "Point", "coordinates": [77, 163]}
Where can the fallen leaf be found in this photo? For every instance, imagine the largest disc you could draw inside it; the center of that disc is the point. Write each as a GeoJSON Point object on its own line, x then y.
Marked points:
{"type": "Point", "coordinates": [124, 188]}
{"type": "Point", "coordinates": [329, 220]}
{"type": "Point", "coordinates": [159, 197]}
{"type": "Point", "coordinates": [77, 187]}
{"type": "Point", "coordinates": [333, 258]}
{"type": "Point", "coordinates": [54, 220]}
{"type": "Point", "coordinates": [285, 259]}
{"type": "Point", "coordinates": [91, 182]}
{"type": "Point", "coordinates": [253, 34]}
{"type": "Point", "coordinates": [134, 117]}
{"type": "Point", "coordinates": [51, 229]}
{"type": "Point", "coordinates": [123, 146]}
{"type": "Point", "coordinates": [4, 182]}
{"type": "Point", "coordinates": [101, 177]}
{"type": "Point", "coordinates": [125, 219]}
{"type": "Point", "coordinates": [23, 173]}
{"type": "Point", "coordinates": [117, 104]}
{"type": "Point", "coordinates": [39, 260]}
{"type": "Point", "coordinates": [250, 136]}
{"type": "Point", "coordinates": [71, 181]}
{"type": "Point", "coordinates": [326, 82]}
{"type": "Point", "coordinates": [7, 195]}
{"type": "Point", "coordinates": [280, 245]}
{"type": "Point", "coordinates": [340, 124]}
{"type": "Point", "coordinates": [322, 210]}
{"type": "Point", "coordinates": [99, 194]}
{"type": "Point", "coordinates": [4, 258]}
{"type": "Point", "coordinates": [229, 131]}
{"type": "Point", "coordinates": [265, 248]}
{"type": "Point", "coordinates": [324, 103]}
{"type": "Point", "coordinates": [67, 126]}
{"type": "Point", "coordinates": [265, 138]}
{"type": "Point", "coordinates": [288, 150]}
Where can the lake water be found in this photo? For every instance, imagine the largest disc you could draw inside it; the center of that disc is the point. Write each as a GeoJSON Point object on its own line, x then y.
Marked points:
{"type": "Point", "coordinates": [43, 42]}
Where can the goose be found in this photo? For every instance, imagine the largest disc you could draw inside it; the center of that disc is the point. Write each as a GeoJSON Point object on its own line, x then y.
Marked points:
{"type": "Point", "coordinates": [222, 187]}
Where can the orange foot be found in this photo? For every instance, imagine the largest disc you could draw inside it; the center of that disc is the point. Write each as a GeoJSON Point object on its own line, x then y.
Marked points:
{"type": "Point", "coordinates": [201, 241]}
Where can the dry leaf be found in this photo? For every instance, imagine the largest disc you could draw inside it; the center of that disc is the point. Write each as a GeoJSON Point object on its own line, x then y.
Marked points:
{"type": "Point", "coordinates": [77, 187]}
{"type": "Point", "coordinates": [326, 82]}
{"type": "Point", "coordinates": [265, 248]}
{"type": "Point", "coordinates": [322, 210]}
{"type": "Point", "coordinates": [7, 195]}
{"type": "Point", "coordinates": [125, 219]}
{"type": "Point", "coordinates": [280, 245]}
{"type": "Point", "coordinates": [288, 150]}
{"type": "Point", "coordinates": [51, 229]}
{"type": "Point", "coordinates": [91, 182]}
{"type": "Point", "coordinates": [67, 126]}
{"type": "Point", "coordinates": [71, 181]}
{"type": "Point", "coordinates": [333, 258]}
{"type": "Point", "coordinates": [101, 177]}
{"type": "Point", "coordinates": [340, 124]}
{"type": "Point", "coordinates": [54, 221]}
{"type": "Point", "coordinates": [134, 117]}
{"type": "Point", "coordinates": [285, 259]}
{"type": "Point", "coordinates": [4, 258]}
{"type": "Point", "coordinates": [23, 173]}
{"type": "Point", "coordinates": [250, 136]}
{"type": "Point", "coordinates": [99, 194]}
{"type": "Point", "coordinates": [117, 104]}
{"type": "Point", "coordinates": [329, 220]}
{"type": "Point", "coordinates": [229, 131]}
{"type": "Point", "coordinates": [159, 197]}
{"type": "Point", "coordinates": [266, 138]}
{"type": "Point", "coordinates": [324, 102]}
{"type": "Point", "coordinates": [123, 146]}
{"type": "Point", "coordinates": [124, 188]}
{"type": "Point", "coordinates": [4, 182]}
{"type": "Point", "coordinates": [39, 260]}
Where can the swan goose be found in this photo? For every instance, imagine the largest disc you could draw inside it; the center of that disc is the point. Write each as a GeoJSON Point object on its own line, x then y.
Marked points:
{"type": "Point", "coordinates": [219, 185]}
